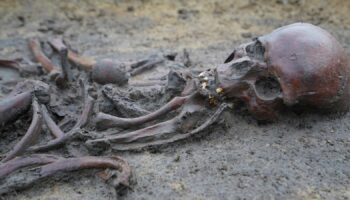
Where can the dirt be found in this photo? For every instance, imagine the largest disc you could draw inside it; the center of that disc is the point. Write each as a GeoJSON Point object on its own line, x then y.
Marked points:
{"type": "Point", "coordinates": [300, 156]}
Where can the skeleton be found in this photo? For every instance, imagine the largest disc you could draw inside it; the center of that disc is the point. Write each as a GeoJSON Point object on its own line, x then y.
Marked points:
{"type": "Point", "coordinates": [296, 66]}
{"type": "Point", "coordinates": [299, 65]}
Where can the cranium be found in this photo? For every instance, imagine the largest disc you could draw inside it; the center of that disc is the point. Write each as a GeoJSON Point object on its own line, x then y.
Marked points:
{"type": "Point", "coordinates": [299, 65]}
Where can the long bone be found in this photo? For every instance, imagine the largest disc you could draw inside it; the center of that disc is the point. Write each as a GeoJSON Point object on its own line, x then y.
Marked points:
{"type": "Point", "coordinates": [55, 72]}
{"type": "Point", "coordinates": [184, 125]}
{"type": "Point", "coordinates": [20, 162]}
{"type": "Point", "coordinates": [10, 64]}
{"type": "Point", "coordinates": [124, 101]}
{"type": "Point", "coordinates": [50, 165]}
{"type": "Point", "coordinates": [31, 135]}
{"type": "Point", "coordinates": [63, 53]}
{"type": "Point", "coordinates": [104, 121]}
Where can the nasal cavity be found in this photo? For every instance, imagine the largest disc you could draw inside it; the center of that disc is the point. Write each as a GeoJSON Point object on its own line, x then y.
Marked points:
{"type": "Point", "coordinates": [240, 69]}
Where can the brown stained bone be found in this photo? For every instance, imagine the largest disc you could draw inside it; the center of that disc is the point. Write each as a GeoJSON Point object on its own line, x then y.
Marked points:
{"type": "Point", "coordinates": [186, 124]}
{"type": "Point", "coordinates": [299, 66]}
{"type": "Point", "coordinates": [54, 71]}
{"type": "Point", "coordinates": [317, 74]}
{"type": "Point", "coordinates": [12, 107]}
{"type": "Point", "coordinates": [59, 46]}
{"type": "Point", "coordinates": [10, 64]}
{"type": "Point", "coordinates": [110, 71]}
{"type": "Point", "coordinates": [54, 129]}
{"type": "Point", "coordinates": [50, 165]}
{"type": "Point", "coordinates": [20, 162]}
{"type": "Point", "coordinates": [31, 135]}
{"type": "Point", "coordinates": [105, 121]}
{"type": "Point", "coordinates": [135, 68]}
{"type": "Point", "coordinates": [106, 71]}
{"type": "Point", "coordinates": [184, 82]}
{"type": "Point", "coordinates": [85, 62]}
{"type": "Point", "coordinates": [89, 162]}
{"type": "Point", "coordinates": [103, 71]}
{"type": "Point", "coordinates": [60, 137]}
{"type": "Point", "coordinates": [168, 87]}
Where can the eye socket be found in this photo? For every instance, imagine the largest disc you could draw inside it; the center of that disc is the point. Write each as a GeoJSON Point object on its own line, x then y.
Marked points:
{"type": "Point", "coordinates": [240, 69]}
{"type": "Point", "coordinates": [230, 57]}
{"type": "Point", "coordinates": [256, 50]}
{"type": "Point", "coordinates": [268, 88]}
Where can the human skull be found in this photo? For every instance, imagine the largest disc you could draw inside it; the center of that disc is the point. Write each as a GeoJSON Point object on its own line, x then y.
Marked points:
{"type": "Point", "coordinates": [299, 65]}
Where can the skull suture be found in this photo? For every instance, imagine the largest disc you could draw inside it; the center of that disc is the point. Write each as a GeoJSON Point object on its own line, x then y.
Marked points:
{"type": "Point", "coordinates": [299, 65]}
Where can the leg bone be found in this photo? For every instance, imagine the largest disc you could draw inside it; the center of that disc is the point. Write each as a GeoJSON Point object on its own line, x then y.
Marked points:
{"type": "Point", "coordinates": [50, 165]}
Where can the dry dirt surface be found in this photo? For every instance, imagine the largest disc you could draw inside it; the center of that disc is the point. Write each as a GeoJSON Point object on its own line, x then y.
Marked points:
{"type": "Point", "coordinates": [303, 156]}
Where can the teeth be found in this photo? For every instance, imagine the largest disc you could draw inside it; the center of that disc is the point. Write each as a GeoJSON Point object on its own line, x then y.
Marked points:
{"type": "Point", "coordinates": [212, 100]}
{"type": "Point", "coordinates": [201, 75]}
{"type": "Point", "coordinates": [204, 85]}
{"type": "Point", "coordinates": [219, 90]}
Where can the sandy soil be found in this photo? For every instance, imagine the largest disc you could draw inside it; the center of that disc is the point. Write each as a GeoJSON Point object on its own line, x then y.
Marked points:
{"type": "Point", "coordinates": [298, 157]}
